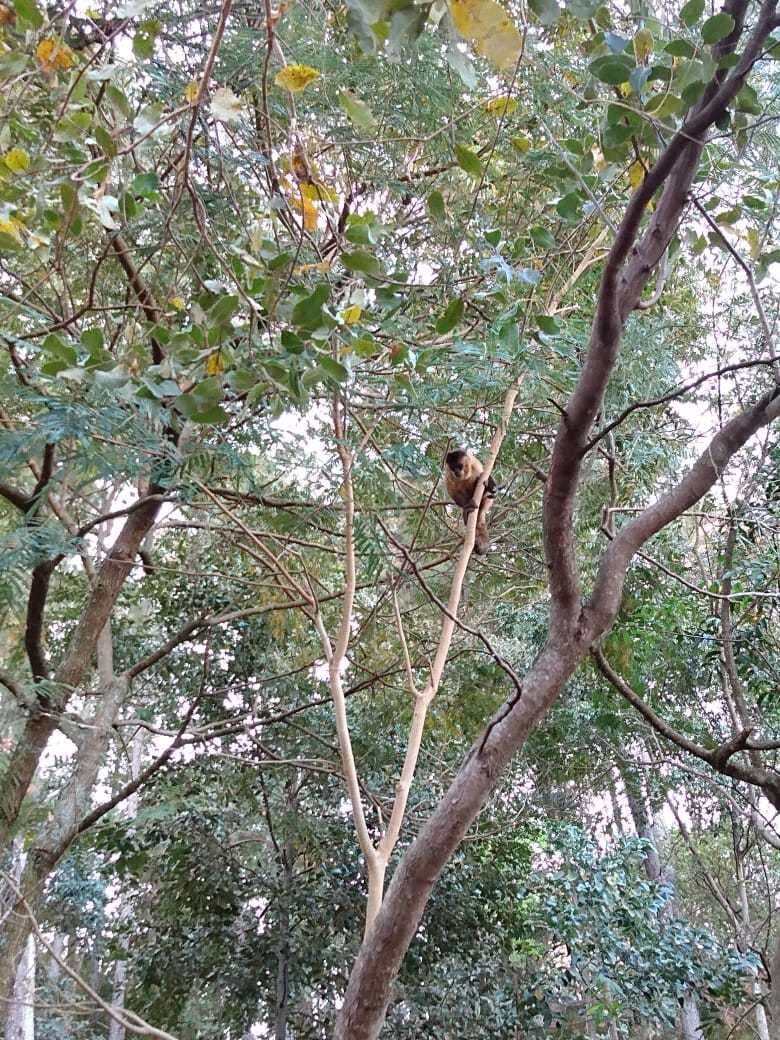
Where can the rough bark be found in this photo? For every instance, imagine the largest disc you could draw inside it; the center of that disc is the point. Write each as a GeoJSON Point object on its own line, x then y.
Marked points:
{"type": "Point", "coordinates": [20, 1020]}
{"type": "Point", "coordinates": [56, 835]}
{"type": "Point", "coordinates": [43, 721]}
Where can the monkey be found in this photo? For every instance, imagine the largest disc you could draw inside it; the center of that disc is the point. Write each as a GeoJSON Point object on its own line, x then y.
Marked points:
{"type": "Point", "coordinates": [461, 474]}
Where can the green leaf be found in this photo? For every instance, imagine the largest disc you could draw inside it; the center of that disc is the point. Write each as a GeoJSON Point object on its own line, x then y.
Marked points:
{"type": "Point", "coordinates": [357, 111]}
{"type": "Point", "coordinates": [612, 69]}
{"type": "Point", "coordinates": [548, 324]}
{"type": "Point", "coordinates": [451, 316]}
{"type": "Point", "coordinates": [680, 49]}
{"type": "Point", "coordinates": [223, 309]}
{"type": "Point", "coordinates": [362, 262]}
{"type": "Point", "coordinates": [333, 368]}
{"type": "Point", "coordinates": [547, 11]}
{"type": "Point", "coordinates": [28, 10]}
{"type": "Point", "coordinates": [436, 206]}
{"type": "Point", "coordinates": [92, 339]}
{"type": "Point", "coordinates": [692, 12]}
{"type": "Point", "coordinates": [717, 27]}
{"type": "Point", "coordinates": [145, 184]}
{"type": "Point", "coordinates": [542, 238]}
{"type": "Point", "coordinates": [210, 416]}
{"type": "Point", "coordinates": [468, 160]}
{"type": "Point", "coordinates": [308, 312]}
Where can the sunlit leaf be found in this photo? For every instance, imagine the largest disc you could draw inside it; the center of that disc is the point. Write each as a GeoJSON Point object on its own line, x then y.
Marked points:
{"type": "Point", "coordinates": [351, 315]}
{"type": "Point", "coordinates": [54, 55]}
{"type": "Point", "coordinates": [17, 160]}
{"type": "Point", "coordinates": [489, 27]}
{"type": "Point", "coordinates": [501, 106]}
{"type": "Point", "coordinates": [296, 77]}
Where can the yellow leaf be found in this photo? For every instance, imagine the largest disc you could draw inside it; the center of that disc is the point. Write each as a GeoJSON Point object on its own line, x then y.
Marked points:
{"type": "Point", "coordinates": [636, 174]}
{"type": "Point", "coordinates": [501, 106]}
{"type": "Point", "coordinates": [17, 160]}
{"type": "Point", "coordinates": [11, 226]}
{"type": "Point", "coordinates": [309, 210]}
{"type": "Point", "coordinates": [489, 28]}
{"type": "Point", "coordinates": [191, 91]}
{"type": "Point", "coordinates": [522, 143]}
{"type": "Point", "coordinates": [322, 267]}
{"type": "Point", "coordinates": [643, 46]}
{"type": "Point", "coordinates": [54, 55]}
{"type": "Point", "coordinates": [754, 241]}
{"type": "Point", "coordinates": [177, 302]}
{"type": "Point", "coordinates": [215, 363]}
{"type": "Point", "coordinates": [318, 192]}
{"type": "Point", "coordinates": [351, 315]}
{"type": "Point", "coordinates": [296, 77]}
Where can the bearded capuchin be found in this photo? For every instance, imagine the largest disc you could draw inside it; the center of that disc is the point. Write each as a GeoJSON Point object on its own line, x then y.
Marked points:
{"type": "Point", "coordinates": [461, 473]}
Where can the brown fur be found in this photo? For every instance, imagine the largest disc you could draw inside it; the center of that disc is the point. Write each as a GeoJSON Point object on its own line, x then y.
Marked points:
{"type": "Point", "coordinates": [462, 471]}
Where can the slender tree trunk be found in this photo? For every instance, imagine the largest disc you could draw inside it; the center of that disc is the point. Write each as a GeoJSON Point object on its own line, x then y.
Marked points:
{"type": "Point", "coordinates": [762, 1025]}
{"type": "Point", "coordinates": [43, 721]}
{"type": "Point", "coordinates": [774, 993]}
{"type": "Point", "coordinates": [55, 837]}
{"type": "Point", "coordinates": [20, 1023]}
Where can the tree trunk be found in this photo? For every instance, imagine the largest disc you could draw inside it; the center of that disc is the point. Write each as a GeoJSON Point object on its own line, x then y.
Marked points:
{"type": "Point", "coordinates": [43, 721]}
{"type": "Point", "coordinates": [20, 1023]}
{"type": "Point", "coordinates": [50, 844]}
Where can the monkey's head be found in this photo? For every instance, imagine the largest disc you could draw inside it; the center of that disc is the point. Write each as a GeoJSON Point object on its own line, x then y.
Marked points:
{"type": "Point", "coordinates": [456, 461]}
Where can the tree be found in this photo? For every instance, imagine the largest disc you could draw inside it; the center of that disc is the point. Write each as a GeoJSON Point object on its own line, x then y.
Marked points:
{"type": "Point", "coordinates": [245, 321]}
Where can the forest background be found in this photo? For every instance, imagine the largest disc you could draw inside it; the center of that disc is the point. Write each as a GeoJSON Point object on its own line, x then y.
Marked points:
{"type": "Point", "coordinates": [280, 756]}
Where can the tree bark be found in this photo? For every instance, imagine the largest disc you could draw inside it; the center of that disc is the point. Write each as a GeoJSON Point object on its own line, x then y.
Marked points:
{"type": "Point", "coordinates": [20, 1023]}
{"type": "Point", "coordinates": [18, 774]}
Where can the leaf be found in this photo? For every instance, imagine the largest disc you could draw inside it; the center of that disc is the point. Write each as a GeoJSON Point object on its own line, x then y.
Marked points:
{"type": "Point", "coordinates": [547, 11]}
{"type": "Point", "coordinates": [28, 10]}
{"type": "Point", "coordinates": [215, 363]}
{"type": "Point", "coordinates": [468, 160]}
{"type": "Point", "coordinates": [225, 106]}
{"type": "Point", "coordinates": [488, 26]}
{"type": "Point", "coordinates": [357, 111]}
{"type": "Point", "coordinates": [548, 324]}
{"type": "Point", "coordinates": [106, 206]}
{"type": "Point", "coordinates": [542, 238]}
{"type": "Point", "coordinates": [717, 27]}
{"type": "Point", "coordinates": [17, 160]}
{"type": "Point", "coordinates": [462, 64]}
{"type": "Point", "coordinates": [612, 70]}
{"type": "Point", "coordinates": [436, 206]}
{"type": "Point", "coordinates": [364, 263]}
{"type": "Point", "coordinates": [692, 12]}
{"type": "Point", "coordinates": [296, 78]}
{"type": "Point", "coordinates": [501, 106]}
{"type": "Point", "coordinates": [451, 316]}
{"type": "Point", "coordinates": [144, 184]}
{"type": "Point", "coordinates": [307, 313]}
{"type": "Point", "coordinates": [54, 55]}
{"type": "Point", "coordinates": [333, 368]}
{"type": "Point", "coordinates": [522, 143]}
{"type": "Point", "coordinates": [643, 46]}
{"type": "Point", "coordinates": [636, 174]}
{"type": "Point", "coordinates": [351, 315]}
{"type": "Point", "coordinates": [191, 91]}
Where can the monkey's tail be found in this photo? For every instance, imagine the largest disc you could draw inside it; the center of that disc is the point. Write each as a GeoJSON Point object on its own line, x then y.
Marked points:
{"type": "Point", "coordinates": [481, 539]}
